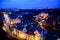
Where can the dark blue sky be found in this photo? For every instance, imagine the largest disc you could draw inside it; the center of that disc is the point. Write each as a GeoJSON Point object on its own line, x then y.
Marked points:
{"type": "Point", "coordinates": [29, 4]}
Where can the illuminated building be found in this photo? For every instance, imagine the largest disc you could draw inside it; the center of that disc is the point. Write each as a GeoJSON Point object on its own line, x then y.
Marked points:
{"type": "Point", "coordinates": [30, 37]}
{"type": "Point", "coordinates": [37, 35]}
{"type": "Point", "coordinates": [42, 16]}
{"type": "Point", "coordinates": [7, 20]}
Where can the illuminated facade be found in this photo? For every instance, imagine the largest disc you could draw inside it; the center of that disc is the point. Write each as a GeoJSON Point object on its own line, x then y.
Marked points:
{"type": "Point", "coordinates": [17, 33]}
{"type": "Point", "coordinates": [11, 28]}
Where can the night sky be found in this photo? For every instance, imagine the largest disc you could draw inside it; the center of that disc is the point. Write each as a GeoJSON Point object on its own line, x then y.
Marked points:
{"type": "Point", "coordinates": [29, 4]}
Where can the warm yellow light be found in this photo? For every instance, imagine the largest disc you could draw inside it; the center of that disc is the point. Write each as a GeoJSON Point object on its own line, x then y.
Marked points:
{"type": "Point", "coordinates": [30, 37]}
{"type": "Point", "coordinates": [15, 21]}
{"type": "Point", "coordinates": [14, 32]}
{"type": "Point", "coordinates": [40, 23]}
{"type": "Point", "coordinates": [6, 17]}
{"type": "Point", "coordinates": [11, 23]}
{"type": "Point", "coordinates": [4, 24]}
{"type": "Point", "coordinates": [37, 38]}
{"type": "Point", "coordinates": [22, 35]}
{"type": "Point", "coordinates": [43, 15]}
{"type": "Point", "coordinates": [37, 35]}
{"type": "Point", "coordinates": [4, 28]}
